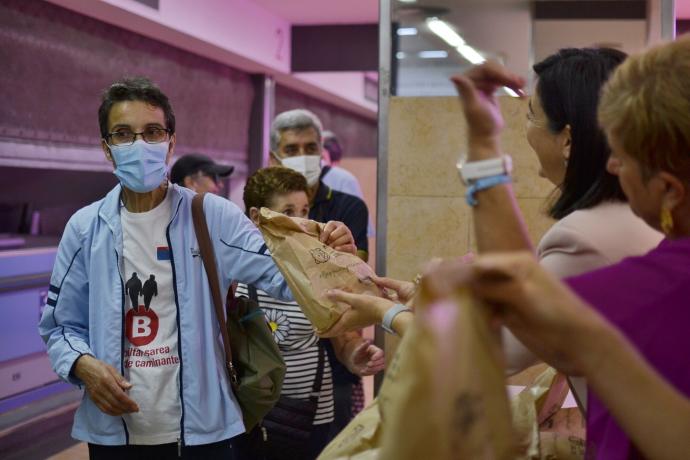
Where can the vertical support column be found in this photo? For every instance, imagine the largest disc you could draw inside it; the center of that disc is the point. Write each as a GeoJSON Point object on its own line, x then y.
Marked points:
{"type": "Point", "coordinates": [262, 114]}
{"type": "Point", "coordinates": [392, 59]}
{"type": "Point", "coordinates": [385, 50]}
{"type": "Point", "coordinates": [661, 21]}
{"type": "Point", "coordinates": [668, 19]}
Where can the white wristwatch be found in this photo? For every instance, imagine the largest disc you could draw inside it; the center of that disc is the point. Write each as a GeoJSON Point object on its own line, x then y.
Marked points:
{"type": "Point", "coordinates": [474, 170]}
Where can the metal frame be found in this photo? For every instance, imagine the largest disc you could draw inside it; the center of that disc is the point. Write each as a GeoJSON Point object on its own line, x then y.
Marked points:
{"type": "Point", "coordinates": [262, 114]}
{"type": "Point", "coordinates": [385, 49]}
{"type": "Point", "coordinates": [668, 19]}
{"type": "Point", "coordinates": [385, 44]}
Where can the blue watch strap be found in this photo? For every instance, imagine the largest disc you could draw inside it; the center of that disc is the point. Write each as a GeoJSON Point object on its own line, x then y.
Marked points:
{"type": "Point", "coordinates": [483, 184]}
{"type": "Point", "coordinates": [387, 323]}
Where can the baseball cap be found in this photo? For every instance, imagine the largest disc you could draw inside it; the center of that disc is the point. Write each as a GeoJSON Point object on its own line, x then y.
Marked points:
{"type": "Point", "coordinates": [192, 163]}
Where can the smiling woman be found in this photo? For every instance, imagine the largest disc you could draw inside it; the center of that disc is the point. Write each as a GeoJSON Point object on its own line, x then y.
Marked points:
{"type": "Point", "coordinates": [563, 131]}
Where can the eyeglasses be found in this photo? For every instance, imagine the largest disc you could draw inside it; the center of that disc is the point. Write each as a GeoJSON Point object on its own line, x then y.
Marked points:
{"type": "Point", "coordinates": [152, 135]}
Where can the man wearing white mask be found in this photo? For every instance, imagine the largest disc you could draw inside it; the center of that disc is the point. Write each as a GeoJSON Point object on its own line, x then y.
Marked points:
{"type": "Point", "coordinates": [296, 143]}
{"type": "Point", "coordinates": [153, 371]}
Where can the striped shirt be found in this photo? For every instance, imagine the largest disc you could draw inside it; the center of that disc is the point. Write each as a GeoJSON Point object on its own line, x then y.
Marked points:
{"type": "Point", "coordinates": [296, 340]}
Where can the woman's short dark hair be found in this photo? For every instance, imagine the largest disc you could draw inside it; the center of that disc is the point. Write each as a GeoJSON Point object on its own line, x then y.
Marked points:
{"type": "Point", "coordinates": [568, 86]}
{"type": "Point", "coordinates": [134, 89]}
{"type": "Point", "coordinates": [266, 183]}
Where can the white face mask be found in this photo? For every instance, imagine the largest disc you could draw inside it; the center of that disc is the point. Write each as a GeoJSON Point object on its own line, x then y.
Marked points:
{"type": "Point", "coordinates": [307, 165]}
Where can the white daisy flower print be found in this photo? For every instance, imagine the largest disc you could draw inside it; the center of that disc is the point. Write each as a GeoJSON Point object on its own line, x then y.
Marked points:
{"type": "Point", "coordinates": [279, 323]}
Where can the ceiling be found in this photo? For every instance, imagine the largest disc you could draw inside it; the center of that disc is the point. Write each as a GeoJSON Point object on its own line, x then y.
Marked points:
{"type": "Point", "coordinates": [476, 20]}
{"type": "Point", "coordinates": [305, 12]}
{"type": "Point", "coordinates": [367, 11]}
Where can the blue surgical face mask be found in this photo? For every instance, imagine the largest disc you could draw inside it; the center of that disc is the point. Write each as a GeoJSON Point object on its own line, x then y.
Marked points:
{"type": "Point", "coordinates": [141, 166]}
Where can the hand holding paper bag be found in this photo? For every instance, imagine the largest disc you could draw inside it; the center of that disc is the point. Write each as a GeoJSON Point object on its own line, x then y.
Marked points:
{"type": "Point", "coordinates": [311, 268]}
{"type": "Point", "coordinates": [443, 396]}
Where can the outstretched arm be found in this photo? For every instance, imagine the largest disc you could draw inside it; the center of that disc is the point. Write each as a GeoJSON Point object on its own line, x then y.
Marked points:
{"type": "Point", "coordinates": [365, 310]}
{"type": "Point", "coordinates": [571, 336]}
{"type": "Point", "coordinates": [498, 222]}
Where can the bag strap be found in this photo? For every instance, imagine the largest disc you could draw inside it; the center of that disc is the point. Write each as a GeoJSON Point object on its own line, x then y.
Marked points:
{"type": "Point", "coordinates": [251, 290]}
{"type": "Point", "coordinates": [231, 298]}
{"type": "Point", "coordinates": [253, 296]}
{"type": "Point", "coordinates": [316, 388]}
{"type": "Point", "coordinates": [209, 260]}
{"type": "Point", "coordinates": [324, 171]}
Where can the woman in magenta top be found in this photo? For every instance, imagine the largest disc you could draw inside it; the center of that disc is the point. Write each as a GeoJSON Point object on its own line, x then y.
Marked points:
{"type": "Point", "coordinates": [647, 299]}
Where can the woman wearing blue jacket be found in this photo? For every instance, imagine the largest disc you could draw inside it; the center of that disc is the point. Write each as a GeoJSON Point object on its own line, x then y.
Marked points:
{"type": "Point", "coordinates": [153, 372]}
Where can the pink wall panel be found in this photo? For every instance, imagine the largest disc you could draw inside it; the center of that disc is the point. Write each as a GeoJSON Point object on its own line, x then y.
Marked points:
{"type": "Point", "coordinates": [56, 63]}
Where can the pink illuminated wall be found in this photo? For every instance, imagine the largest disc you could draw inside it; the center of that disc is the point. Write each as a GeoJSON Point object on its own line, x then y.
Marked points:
{"type": "Point", "coordinates": [244, 34]}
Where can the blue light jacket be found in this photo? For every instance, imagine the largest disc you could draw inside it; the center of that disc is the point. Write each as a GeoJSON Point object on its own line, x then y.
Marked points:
{"type": "Point", "coordinates": [85, 310]}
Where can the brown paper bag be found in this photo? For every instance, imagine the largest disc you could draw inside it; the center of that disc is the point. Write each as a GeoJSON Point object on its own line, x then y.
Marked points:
{"type": "Point", "coordinates": [443, 396]}
{"type": "Point", "coordinates": [360, 439]}
{"type": "Point", "coordinates": [446, 397]}
{"type": "Point", "coordinates": [363, 435]}
{"type": "Point", "coordinates": [546, 430]}
{"type": "Point", "coordinates": [311, 268]}
{"type": "Point", "coordinates": [563, 437]}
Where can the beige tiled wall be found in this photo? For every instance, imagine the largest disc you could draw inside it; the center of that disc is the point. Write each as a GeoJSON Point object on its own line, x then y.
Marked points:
{"type": "Point", "coordinates": [427, 213]}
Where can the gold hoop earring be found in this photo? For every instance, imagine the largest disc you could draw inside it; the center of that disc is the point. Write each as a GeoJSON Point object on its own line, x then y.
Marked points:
{"type": "Point", "coordinates": [666, 221]}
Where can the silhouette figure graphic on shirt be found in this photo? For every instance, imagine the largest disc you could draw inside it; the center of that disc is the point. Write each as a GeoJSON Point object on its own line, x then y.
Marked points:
{"type": "Point", "coordinates": [133, 288]}
{"type": "Point", "coordinates": [150, 290]}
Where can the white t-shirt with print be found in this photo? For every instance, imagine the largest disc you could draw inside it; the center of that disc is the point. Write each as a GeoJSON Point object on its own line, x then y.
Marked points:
{"type": "Point", "coordinates": [151, 358]}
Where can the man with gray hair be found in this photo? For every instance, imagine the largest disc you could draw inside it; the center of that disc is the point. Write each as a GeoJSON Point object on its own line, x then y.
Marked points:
{"type": "Point", "coordinates": [296, 142]}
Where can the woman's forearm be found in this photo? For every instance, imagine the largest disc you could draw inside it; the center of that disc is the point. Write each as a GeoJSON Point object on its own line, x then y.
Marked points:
{"type": "Point", "coordinates": [498, 221]}
{"type": "Point", "coordinates": [343, 345]}
{"type": "Point", "coordinates": [402, 322]}
{"type": "Point", "coordinates": [517, 356]}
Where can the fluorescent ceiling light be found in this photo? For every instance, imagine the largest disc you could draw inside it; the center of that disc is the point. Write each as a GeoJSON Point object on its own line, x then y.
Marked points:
{"type": "Point", "coordinates": [445, 32]}
{"type": "Point", "coordinates": [403, 31]}
{"type": "Point", "coordinates": [407, 1]}
{"type": "Point", "coordinates": [433, 54]}
{"type": "Point", "coordinates": [450, 36]}
{"type": "Point", "coordinates": [471, 54]}
{"type": "Point", "coordinates": [400, 55]}
{"type": "Point", "coordinates": [510, 92]}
